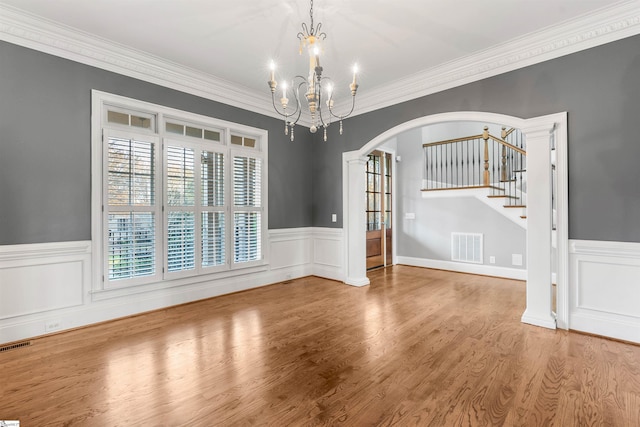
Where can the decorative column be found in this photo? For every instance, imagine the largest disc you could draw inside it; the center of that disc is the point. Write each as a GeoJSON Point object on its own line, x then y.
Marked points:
{"type": "Point", "coordinates": [356, 247]}
{"type": "Point", "coordinates": [539, 289]}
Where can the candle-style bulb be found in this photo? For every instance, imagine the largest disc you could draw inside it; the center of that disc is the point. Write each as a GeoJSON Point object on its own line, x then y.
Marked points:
{"type": "Point", "coordinates": [272, 68]}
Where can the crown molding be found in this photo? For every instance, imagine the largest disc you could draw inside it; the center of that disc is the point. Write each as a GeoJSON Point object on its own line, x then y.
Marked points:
{"type": "Point", "coordinates": [616, 22]}
{"type": "Point", "coordinates": [34, 32]}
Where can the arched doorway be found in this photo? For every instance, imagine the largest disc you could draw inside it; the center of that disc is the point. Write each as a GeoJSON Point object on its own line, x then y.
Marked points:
{"type": "Point", "coordinates": [539, 132]}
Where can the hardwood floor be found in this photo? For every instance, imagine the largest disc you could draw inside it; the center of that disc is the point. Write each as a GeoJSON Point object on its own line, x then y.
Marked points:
{"type": "Point", "coordinates": [417, 347]}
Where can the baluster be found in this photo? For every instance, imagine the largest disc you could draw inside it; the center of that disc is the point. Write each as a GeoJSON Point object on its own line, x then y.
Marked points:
{"type": "Point", "coordinates": [485, 136]}
{"type": "Point", "coordinates": [438, 164]}
{"type": "Point", "coordinates": [477, 144]}
{"type": "Point", "coordinates": [504, 155]}
{"type": "Point", "coordinates": [430, 175]}
{"type": "Point", "coordinates": [454, 170]}
{"type": "Point", "coordinates": [467, 181]}
{"type": "Point", "coordinates": [426, 167]}
{"type": "Point", "coordinates": [446, 165]}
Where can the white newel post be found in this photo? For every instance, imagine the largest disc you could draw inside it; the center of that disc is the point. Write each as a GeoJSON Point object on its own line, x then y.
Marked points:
{"type": "Point", "coordinates": [539, 289]}
{"type": "Point", "coordinates": [356, 250]}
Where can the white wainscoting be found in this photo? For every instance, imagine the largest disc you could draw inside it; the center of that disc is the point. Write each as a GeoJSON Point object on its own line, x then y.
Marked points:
{"type": "Point", "coordinates": [604, 294]}
{"type": "Point", "coordinates": [290, 253]}
{"type": "Point", "coordinates": [328, 257]}
{"type": "Point", "coordinates": [461, 267]}
{"type": "Point", "coordinates": [43, 277]}
{"type": "Point", "coordinates": [47, 287]}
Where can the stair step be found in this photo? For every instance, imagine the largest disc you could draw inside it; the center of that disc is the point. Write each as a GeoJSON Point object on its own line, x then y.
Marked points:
{"type": "Point", "coordinates": [515, 206]}
{"type": "Point", "coordinates": [523, 216]}
{"type": "Point", "coordinates": [519, 171]}
{"type": "Point", "coordinates": [503, 196]}
{"type": "Point", "coordinates": [508, 180]}
{"type": "Point", "coordinates": [469, 187]}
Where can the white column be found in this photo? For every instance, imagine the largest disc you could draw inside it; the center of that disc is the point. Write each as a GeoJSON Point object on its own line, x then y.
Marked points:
{"type": "Point", "coordinates": [539, 290]}
{"type": "Point", "coordinates": [356, 247]}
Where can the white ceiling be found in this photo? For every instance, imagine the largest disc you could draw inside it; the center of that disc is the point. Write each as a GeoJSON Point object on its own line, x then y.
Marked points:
{"type": "Point", "coordinates": [235, 40]}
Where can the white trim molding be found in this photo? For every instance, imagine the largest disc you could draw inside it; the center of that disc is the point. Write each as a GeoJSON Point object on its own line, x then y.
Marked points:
{"type": "Point", "coordinates": [604, 288]}
{"type": "Point", "coordinates": [618, 21]}
{"type": "Point", "coordinates": [31, 31]}
{"type": "Point", "coordinates": [47, 287]}
{"type": "Point", "coordinates": [615, 22]}
{"type": "Point", "coordinates": [461, 267]}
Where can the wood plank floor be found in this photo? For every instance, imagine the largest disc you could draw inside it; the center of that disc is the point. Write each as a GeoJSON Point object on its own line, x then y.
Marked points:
{"type": "Point", "coordinates": [417, 347]}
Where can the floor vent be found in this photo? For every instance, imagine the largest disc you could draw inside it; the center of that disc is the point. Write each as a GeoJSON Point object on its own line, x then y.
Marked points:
{"type": "Point", "coordinates": [15, 346]}
{"type": "Point", "coordinates": [466, 247]}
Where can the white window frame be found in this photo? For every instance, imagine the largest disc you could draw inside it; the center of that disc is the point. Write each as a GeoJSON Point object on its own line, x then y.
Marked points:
{"type": "Point", "coordinates": [102, 287]}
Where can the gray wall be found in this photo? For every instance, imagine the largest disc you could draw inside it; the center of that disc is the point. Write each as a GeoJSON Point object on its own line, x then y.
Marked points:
{"type": "Point", "coordinates": [45, 146]}
{"type": "Point", "coordinates": [45, 140]}
{"type": "Point", "coordinates": [429, 234]}
{"type": "Point", "coordinates": [600, 90]}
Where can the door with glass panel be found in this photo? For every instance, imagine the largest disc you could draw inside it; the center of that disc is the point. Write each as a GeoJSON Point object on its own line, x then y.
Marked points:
{"type": "Point", "coordinates": [378, 213]}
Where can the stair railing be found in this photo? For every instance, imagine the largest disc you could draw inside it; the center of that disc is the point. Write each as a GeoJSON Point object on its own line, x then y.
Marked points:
{"type": "Point", "coordinates": [479, 161]}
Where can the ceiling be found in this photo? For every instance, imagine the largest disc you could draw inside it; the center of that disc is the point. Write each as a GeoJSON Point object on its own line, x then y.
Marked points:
{"type": "Point", "coordinates": [234, 41]}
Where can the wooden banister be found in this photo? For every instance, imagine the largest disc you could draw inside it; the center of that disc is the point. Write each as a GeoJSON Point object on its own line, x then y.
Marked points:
{"type": "Point", "coordinates": [478, 161]}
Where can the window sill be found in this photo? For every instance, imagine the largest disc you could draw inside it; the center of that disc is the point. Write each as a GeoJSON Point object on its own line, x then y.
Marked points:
{"type": "Point", "coordinates": [123, 291]}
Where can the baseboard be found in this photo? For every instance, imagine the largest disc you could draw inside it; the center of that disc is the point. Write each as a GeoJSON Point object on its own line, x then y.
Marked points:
{"type": "Point", "coordinates": [545, 321]}
{"type": "Point", "coordinates": [481, 269]}
{"type": "Point", "coordinates": [357, 282]}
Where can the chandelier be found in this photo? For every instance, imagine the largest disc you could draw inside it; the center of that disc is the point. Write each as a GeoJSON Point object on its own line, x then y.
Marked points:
{"type": "Point", "coordinates": [312, 86]}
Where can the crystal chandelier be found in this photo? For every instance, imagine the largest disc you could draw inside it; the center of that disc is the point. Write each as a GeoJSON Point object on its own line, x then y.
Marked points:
{"type": "Point", "coordinates": [310, 38]}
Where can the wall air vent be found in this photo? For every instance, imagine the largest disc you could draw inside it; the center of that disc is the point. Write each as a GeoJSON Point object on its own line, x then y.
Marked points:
{"type": "Point", "coordinates": [466, 247]}
{"type": "Point", "coordinates": [14, 346]}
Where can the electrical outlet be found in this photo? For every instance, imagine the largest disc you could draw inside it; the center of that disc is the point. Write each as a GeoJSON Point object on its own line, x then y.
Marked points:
{"type": "Point", "coordinates": [334, 217]}
{"type": "Point", "coordinates": [53, 325]}
{"type": "Point", "coordinates": [492, 260]}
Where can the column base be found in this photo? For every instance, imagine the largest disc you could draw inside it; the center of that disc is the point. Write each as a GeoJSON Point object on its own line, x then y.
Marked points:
{"type": "Point", "coordinates": [545, 321]}
{"type": "Point", "coordinates": [359, 282]}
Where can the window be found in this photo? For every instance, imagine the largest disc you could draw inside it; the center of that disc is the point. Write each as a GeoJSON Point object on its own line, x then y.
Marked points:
{"type": "Point", "coordinates": [181, 194]}
{"type": "Point", "coordinates": [373, 193]}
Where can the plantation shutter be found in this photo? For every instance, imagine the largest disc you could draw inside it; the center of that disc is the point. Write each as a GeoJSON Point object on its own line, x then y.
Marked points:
{"type": "Point", "coordinates": [180, 208]}
{"type": "Point", "coordinates": [131, 211]}
{"type": "Point", "coordinates": [213, 231]}
{"type": "Point", "coordinates": [247, 209]}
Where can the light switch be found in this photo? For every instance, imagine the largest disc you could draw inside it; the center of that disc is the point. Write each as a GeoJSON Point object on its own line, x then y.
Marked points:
{"type": "Point", "coordinates": [409, 215]}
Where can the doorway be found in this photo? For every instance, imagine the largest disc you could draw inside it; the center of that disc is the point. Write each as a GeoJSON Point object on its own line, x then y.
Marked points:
{"type": "Point", "coordinates": [538, 132]}
{"type": "Point", "coordinates": [378, 210]}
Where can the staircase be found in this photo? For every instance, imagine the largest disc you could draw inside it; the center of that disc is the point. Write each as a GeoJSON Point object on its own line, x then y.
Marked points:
{"type": "Point", "coordinates": [488, 167]}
